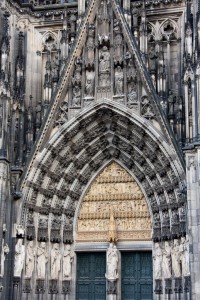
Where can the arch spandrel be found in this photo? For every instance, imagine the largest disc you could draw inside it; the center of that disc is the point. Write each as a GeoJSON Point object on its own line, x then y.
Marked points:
{"type": "Point", "coordinates": [113, 192]}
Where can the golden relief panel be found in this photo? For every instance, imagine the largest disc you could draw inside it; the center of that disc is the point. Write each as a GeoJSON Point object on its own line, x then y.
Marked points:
{"type": "Point", "coordinates": [114, 209]}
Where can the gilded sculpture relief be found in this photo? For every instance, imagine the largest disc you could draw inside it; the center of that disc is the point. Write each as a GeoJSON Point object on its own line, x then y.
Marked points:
{"type": "Point", "coordinates": [114, 200]}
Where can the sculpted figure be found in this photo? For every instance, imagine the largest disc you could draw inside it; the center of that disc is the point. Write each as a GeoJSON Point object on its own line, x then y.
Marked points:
{"type": "Point", "coordinates": [5, 250]}
{"type": "Point", "coordinates": [184, 256]}
{"type": "Point", "coordinates": [42, 259]}
{"type": "Point", "coordinates": [89, 85]}
{"type": "Point", "coordinates": [112, 262]}
{"type": "Point", "coordinates": [176, 259]}
{"type": "Point", "coordinates": [119, 78]}
{"type": "Point", "coordinates": [104, 59]}
{"type": "Point", "coordinates": [19, 258]}
{"type": "Point", "coordinates": [68, 257]}
{"type": "Point", "coordinates": [157, 261]}
{"type": "Point", "coordinates": [30, 258]}
{"type": "Point", "coordinates": [135, 14]}
{"type": "Point", "coordinates": [55, 261]}
{"type": "Point", "coordinates": [152, 59]}
{"type": "Point", "coordinates": [171, 102]}
{"type": "Point", "coordinates": [112, 233]}
{"type": "Point", "coordinates": [76, 101]}
{"type": "Point", "coordinates": [167, 268]}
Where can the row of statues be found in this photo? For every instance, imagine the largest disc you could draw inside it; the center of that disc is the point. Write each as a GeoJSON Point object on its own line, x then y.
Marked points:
{"type": "Point", "coordinates": [40, 255]}
{"type": "Point", "coordinates": [172, 259]}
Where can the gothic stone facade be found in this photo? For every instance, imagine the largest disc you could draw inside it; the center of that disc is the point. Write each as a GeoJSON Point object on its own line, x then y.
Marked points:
{"type": "Point", "coordinates": [99, 110]}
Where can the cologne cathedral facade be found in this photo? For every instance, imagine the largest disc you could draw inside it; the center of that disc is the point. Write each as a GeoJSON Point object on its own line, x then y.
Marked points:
{"type": "Point", "coordinates": [99, 149]}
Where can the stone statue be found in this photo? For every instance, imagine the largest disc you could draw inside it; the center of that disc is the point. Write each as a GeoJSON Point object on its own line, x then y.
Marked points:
{"type": "Point", "coordinates": [42, 259]}
{"type": "Point", "coordinates": [135, 14]}
{"type": "Point", "coordinates": [76, 100]}
{"type": "Point", "coordinates": [112, 262]}
{"type": "Point", "coordinates": [152, 59]}
{"type": "Point", "coordinates": [5, 250]}
{"type": "Point", "coordinates": [176, 259]}
{"type": "Point", "coordinates": [157, 261]}
{"type": "Point", "coordinates": [188, 40]}
{"type": "Point", "coordinates": [119, 78]}
{"type": "Point", "coordinates": [89, 85]}
{"type": "Point", "coordinates": [55, 261]}
{"type": "Point", "coordinates": [112, 233]}
{"type": "Point", "coordinates": [19, 230]}
{"type": "Point", "coordinates": [104, 60]}
{"type": "Point", "coordinates": [30, 259]}
{"type": "Point", "coordinates": [68, 257]}
{"type": "Point", "coordinates": [184, 256]}
{"type": "Point", "coordinates": [167, 267]}
{"type": "Point", "coordinates": [19, 258]}
{"type": "Point", "coordinates": [171, 102]}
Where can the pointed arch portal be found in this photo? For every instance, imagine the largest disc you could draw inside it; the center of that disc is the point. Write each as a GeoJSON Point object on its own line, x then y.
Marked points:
{"type": "Point", "coordinates": [101, 137]}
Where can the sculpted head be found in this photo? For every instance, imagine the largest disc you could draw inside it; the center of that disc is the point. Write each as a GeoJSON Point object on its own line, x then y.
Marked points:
{"type": "Point", "coordinates": [68, 247]}
{"type": "Point", "coordinates": [43, 245]}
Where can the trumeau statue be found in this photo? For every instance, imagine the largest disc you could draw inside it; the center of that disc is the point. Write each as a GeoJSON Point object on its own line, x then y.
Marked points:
{"type": "Point", "coordinates": [112, 262]}
{"type": "Point", "coordinates": [30, 259]}
{"type": "Point", "coordinates": [157, 261]}
{"type": "Point", "coordinates": [19, 258]}
{"type": "Point", "coordinates": [176, 266]}
{"type": "Point", "coordinates": [167, 268]}
{"type": "Point", "coordinates": [55, 261]}
{"type": "Point", "coordinates": [42, 259]}
{"type": "Point", "coordinates": [68, 257]}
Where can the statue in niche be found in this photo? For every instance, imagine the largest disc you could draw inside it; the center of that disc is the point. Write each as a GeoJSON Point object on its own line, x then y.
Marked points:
{"type": "Point", "coordinates": [5, 250]}
{"type": "Point", "coordinates": [188, 40]}
{"type": "Point", "coordinates": [184, 256]}
{"type": "Point", "coordinates": [112, 233]}
{"type": "Point", "coordinates": [76, 100]}
{"type": "Point", "coordinates": [171, 102]}
{"type": "Point", "coordinates": [119, 79]}
{"type": "Point", "coordinates": [68, 257]}
{"type": "Point", "coordinates": [118, 41]}
{"type": "Point", "coordinates": [104, 60]}
{"type": "Point", "coordinates": [104, 79]}
{"type": "Point", "coordinates": [19, 230]}
{"type": "Point", "coordinates": [112, 262]}
{"type": "Point", "coordinates": [132, 93]}
{"type": "Point", "coordinates": [19, 258]}
{"type": "Point", "coordinates": [157, 261]}
{"type": "Point", "coordinates": [90, 45]}
{"type": "Point", "coordinates": [176, 266]}
{"type": "Point", "coordinates": [55, 261]}
{"type": "Point", "coordinates": [152, 59]}
{"type": "Point", "coordinates": [167, 268]}
{"type": "Point", "coordinates": [135, 15]}
{"type": "Point", "coordinates": [42, 259]}
{"type": "Point", "coordinates": [30, 258]}
{"type": "Point", "coordinates": [89, 85]}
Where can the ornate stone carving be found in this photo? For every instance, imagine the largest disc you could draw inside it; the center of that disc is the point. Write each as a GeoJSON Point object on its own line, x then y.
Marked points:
{"type": "Point", "coordinates": [166, 266]}
{"type": "Point", "coordinates": [19, 258]}
{"type": "Point", "coordinates": [42, 259]}
{"type": "Point", "coordinates": [55, 261]}
{"type": "Point", "coordinates": [157, 256]}
{"type": "Point", "coordinates": [55, 230]}
{"type": "Point", "coordinates": [112, 263]}
{"type": "Point", "coordinates": [4, 252]}
{"type": "Point", "coordinates": [119, 78]}
{"type": "Point", "coordinates": [176, 266]}
{"type": "Point", "coordinates": [184, 256]}
{"type": "Point", "coordinates": [68, 257]}
{"type": "Point", "coordinates": [114, 190]}
{"type": "Point", "coordinates": [30, 259]}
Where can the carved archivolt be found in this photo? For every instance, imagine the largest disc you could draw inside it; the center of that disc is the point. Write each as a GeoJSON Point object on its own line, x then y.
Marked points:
{"type": "Point", "coordinates": [114, 191]}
